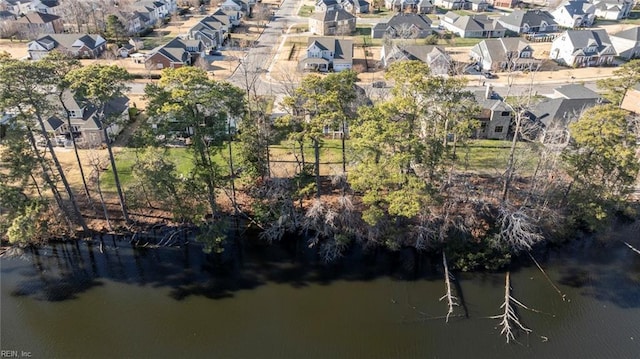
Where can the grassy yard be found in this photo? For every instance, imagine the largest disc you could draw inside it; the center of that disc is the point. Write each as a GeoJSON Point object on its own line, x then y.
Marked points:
{"type": "Point", "coordinates": [151, 42]}
{"type": "Point", "coordinates": [305, 11]}
{"type": "Point", "coordinates": [483, 156]}
{"type": "Point", "coordinates": [382, 13]}
{"type": "Point", "coordinates": [126, 159]}
{"type": "Point", "coordinates": [459, 41]}
{"type": "Point", "coordinates": [490, 156]}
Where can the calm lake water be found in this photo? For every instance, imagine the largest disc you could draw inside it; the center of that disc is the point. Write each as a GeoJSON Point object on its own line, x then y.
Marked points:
{"type": "Point", "coordinates": [70, 300]}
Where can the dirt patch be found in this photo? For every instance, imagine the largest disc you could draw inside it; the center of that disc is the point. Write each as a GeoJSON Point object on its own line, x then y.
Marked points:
{"type": "Point", "coordinates": [17, 49]}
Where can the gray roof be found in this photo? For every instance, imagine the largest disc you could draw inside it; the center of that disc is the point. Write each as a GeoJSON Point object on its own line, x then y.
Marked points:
{"type": "Point", "coordinates": [582, 39]}
{"type": "Point", "coordinates": [326, 2]}
{"type": "Point", "coordinates": [576, 7]}
{"type": "Point", "coordinates": [342, 49]}
{"type": "Point", "coordinates": [532, 17]}
{"type": "Point", "coordinates": [4, 14]}
{"type": "Point", "coordinates": [493, 103]}
{"type": "Point", "coordinates": [67, 40]}
{"type": "Point", "coordinates": [401, 19]}
{"type": "Point", "coordinates": [89, 120]}
{"type": "Point", "coordinates": [476, 23]}
{"type": "Point", "coordinates": [497, 49]}
{"type": "Point", "coordinates": [561, 109]}
{"type": "Point", "coordinates": [37, 18]}
{"type": "Point", "coordinates": [333, 15]}
{"type": "Point", "coordinates": [412, 52]}
{"type": "Point", "coordinates": [629, 34]}
{"type": "Point", "coordinates": [576, 91]}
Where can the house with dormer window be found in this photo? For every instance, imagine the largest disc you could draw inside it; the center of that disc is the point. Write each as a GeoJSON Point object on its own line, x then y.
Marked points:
{"type": "Point", "coordinates": [575, 13]}
{"type": "Point", "coordinates": [504, 54]}
{"type": "Point", "coordinates": [174, 54]}
{"type": "Point", "coordinates": [86, 125]}
{"type": "Point", "coordinates": [475, 26]}
{"type": "Point", "coordinates": [332, 22]}
{"type": "Point", "coordinates": [529, 21]}
{"type": "Point", "coordinates": [82, 46]}
{"type": "Point", "coordinates": [403, 26]}
{"type": "Point", "coordinates": [440, 63]}
{"type": "Point", "coordinates": [328, 53]}
{"type": "Point", "coordinates": [582, 48]}
{"type": "Point", "coordinates": [417, 6]}
{"type": "Point", "coordinates": [612, 9]}
{"type": "Point", "coordinates": [210, 31]}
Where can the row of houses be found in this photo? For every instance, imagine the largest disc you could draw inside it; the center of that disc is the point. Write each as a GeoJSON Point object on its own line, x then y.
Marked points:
{"type": "Point", "coordinates": [570, 14]}
{"type": "Point", "coordinates": [209, 34]}
{"type": "Point", "coordinates": [32, 18]}
{"type": "Point", "coordinates": [575, 48]}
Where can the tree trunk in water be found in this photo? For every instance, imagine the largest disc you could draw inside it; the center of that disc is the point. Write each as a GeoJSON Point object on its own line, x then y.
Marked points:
{"type": "Point", "coordinates": [123, 204]}
{"type": "Point", "coordinates": [316, 153]}
{"type": "Point", "coordinates": [63, 177]}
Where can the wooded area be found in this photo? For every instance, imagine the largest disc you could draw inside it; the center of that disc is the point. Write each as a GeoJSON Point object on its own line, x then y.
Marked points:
{"type": "Point", "coordinates": [405, 179]}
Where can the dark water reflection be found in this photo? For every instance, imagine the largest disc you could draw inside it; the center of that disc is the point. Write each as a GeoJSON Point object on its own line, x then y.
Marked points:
{"type": "Point", "coordinates": [81, 299]}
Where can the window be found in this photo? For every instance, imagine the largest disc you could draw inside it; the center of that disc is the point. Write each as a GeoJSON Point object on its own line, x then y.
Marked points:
{"type": "Point", "coordinates": [505, 113]}
{"type": "Point", "coordinates": [498, 129]}
{"type": "Point", "coordinates": [159, 65]}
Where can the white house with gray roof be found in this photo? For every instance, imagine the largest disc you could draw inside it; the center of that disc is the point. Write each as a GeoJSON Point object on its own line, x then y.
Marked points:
{"type": "Point", "coordinates": [418, 6]}
{"type": "Point", "coordinates": [439, 61]}
{"type": "Point", "coordinates": [85, 46]}
{"type": "Point", "coordinates": [613, 9]}
{"type": "Point", "coordinates": [529, 21]}
{"type": "Point", "coordinates": [582, 48]}
{"type": "Point", "coordinates": [328, 53]}
{"type": "Point", "coordinates": [478, 26]}
{"type": "Point", "coordinates": [574, 13]}
{"type": "Point", "coordinates": [502, 54]}
{"type": "Point", "coordinates": [627, 43]}
{"type": "Point", "coordinates": [403, 26]}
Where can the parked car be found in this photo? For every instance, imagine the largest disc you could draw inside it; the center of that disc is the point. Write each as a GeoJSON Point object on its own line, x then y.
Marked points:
{"type": "Point", "coordinates": [489, 75]}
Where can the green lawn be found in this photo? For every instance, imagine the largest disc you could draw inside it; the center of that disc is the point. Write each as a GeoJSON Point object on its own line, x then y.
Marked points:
{"type": "Point", "coordinates": [151, 42]}
{"type": "Point", "coordinates": [126, 159]}
{"type": "Point", "coordinates": [486, 156]}
{"type": "Point", "coordinates": [382, 13]}
{"type": "Point", "coordinates": [305, 11]}
{"type": "Point", "coordinates": [490, 156]}
{"type": "Point", "coordinates": [363, 31]}
{"type": "Point", "coordinates": [459, 41]}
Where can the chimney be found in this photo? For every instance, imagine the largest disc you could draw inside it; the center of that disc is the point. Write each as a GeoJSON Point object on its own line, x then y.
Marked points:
{"type": "Point", "coordinates": [488, 92]}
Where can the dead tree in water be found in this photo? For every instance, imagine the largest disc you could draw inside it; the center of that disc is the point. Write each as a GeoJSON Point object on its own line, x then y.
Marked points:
{"type": "Point", "coordinates": [632, 248]}
{"type": "Point", "coordinates": [451, 299]}
{"type": "Point", "coordinates": [509, 319]}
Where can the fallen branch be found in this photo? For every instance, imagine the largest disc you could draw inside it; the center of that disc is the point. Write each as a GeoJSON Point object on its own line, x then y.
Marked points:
{"type": "Point", "coordinates": [451, 299]}
{"type": "Point", "coordinates": [509, 319]}
{"type": "Point", "coordinates": [631, 247]}
{"type": "Point", "coordinates": [562, 295]}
